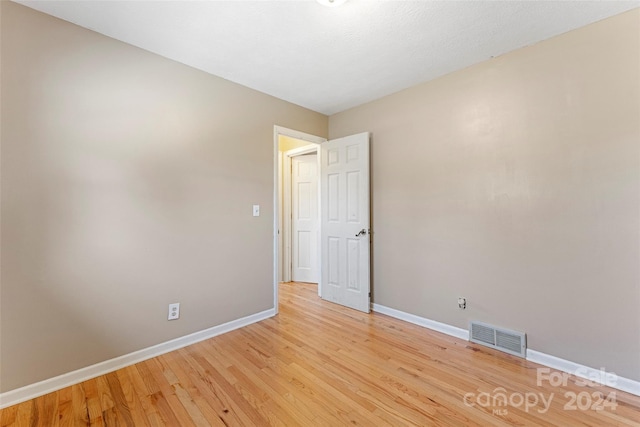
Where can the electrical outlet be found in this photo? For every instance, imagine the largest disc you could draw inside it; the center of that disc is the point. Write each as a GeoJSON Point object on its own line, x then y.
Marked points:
{"type": "Point", "coordinates": [462, 303]}
{"type": "Point", "coordinates": [174, 311]}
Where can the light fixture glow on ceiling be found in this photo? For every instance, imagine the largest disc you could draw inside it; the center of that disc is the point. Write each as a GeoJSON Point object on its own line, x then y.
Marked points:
{"type": "Point", "coordinates": [331, 3]}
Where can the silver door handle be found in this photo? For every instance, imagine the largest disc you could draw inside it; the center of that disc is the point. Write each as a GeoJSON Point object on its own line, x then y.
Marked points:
{"type": "Point", "coordinates": [361, 232]}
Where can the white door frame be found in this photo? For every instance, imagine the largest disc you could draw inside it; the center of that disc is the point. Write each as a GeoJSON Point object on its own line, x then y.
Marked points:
{"type": "Point", "coordinates": [287, 241]}
{"type": "Point", "coordinates": [277, 131]}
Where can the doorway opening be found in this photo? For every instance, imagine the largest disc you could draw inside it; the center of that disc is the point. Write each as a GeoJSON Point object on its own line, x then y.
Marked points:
{"type": "Point", "coordinates": [296, 195]}
{"type": "Point", "coordinates": [343, 232]}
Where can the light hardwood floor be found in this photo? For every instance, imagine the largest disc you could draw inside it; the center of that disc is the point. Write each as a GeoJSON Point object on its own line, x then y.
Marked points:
{"type": "Point", "coordinates": [317, 363]}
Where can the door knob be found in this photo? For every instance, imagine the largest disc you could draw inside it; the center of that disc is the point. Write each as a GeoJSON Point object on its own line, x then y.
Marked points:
{"type": "Point", "coordinates": [361, 232]}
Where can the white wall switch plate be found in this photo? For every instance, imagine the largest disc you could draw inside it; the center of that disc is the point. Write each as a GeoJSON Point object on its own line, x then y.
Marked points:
{"type": "Point", "coordinates": [256, 210]}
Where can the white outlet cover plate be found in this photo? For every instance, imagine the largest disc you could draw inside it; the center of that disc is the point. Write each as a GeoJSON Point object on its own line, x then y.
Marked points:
{"type": "Point", "coordinates": [174, 311]}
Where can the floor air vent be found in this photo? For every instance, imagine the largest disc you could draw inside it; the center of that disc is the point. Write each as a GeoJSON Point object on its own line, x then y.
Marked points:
{"type": "Point", "coordinates": [511, 342]}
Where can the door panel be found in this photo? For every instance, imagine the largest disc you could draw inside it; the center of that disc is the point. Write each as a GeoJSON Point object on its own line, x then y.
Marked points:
{"type": "Point", "coordinates": [304, 198]}
{"type": "Point", "coordinates": [345, 249]}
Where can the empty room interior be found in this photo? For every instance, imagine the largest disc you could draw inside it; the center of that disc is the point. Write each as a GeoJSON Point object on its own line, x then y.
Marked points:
{"type": "Point", "coordinates": [377, 213]}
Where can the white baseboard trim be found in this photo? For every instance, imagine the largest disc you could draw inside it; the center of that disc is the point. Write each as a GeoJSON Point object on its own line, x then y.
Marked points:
{"type": "Point", "coordinates": [31, 391]}
{"type": "Point", "coordinates": [595, 375]}
{"type": "Point", "coordinates": [463, 334]}
{"type": "Point", "coordinates": [591, 374]}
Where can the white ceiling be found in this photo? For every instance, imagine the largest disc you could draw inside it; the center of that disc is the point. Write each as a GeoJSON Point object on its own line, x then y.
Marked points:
{"type": "Point", "coordinates": [330, 59]}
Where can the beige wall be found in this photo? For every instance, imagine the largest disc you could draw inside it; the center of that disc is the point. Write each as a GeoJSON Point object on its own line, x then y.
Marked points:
{"type": "Point", "coordinates": [127, 184]}
{"type": "Point", "coordinates": [516, 184]}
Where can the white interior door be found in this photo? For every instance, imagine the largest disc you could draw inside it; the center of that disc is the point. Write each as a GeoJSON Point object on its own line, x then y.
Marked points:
{"type": "Point", "coordinates": [344, 223]}
{"type": "Point", "coordinates": [304, 212]}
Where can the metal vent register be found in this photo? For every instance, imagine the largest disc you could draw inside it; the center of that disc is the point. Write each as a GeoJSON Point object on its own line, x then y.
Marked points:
{"type": "Point", "coordinates": [511, 342]}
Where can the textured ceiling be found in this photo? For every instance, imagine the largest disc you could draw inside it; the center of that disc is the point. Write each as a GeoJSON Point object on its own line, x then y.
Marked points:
{"type": "Point", "coordinates": [330, 59]}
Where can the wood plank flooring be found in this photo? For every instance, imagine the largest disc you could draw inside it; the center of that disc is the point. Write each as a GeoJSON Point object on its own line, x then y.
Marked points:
{"type": "Point", "coordinates": [319, 364]}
